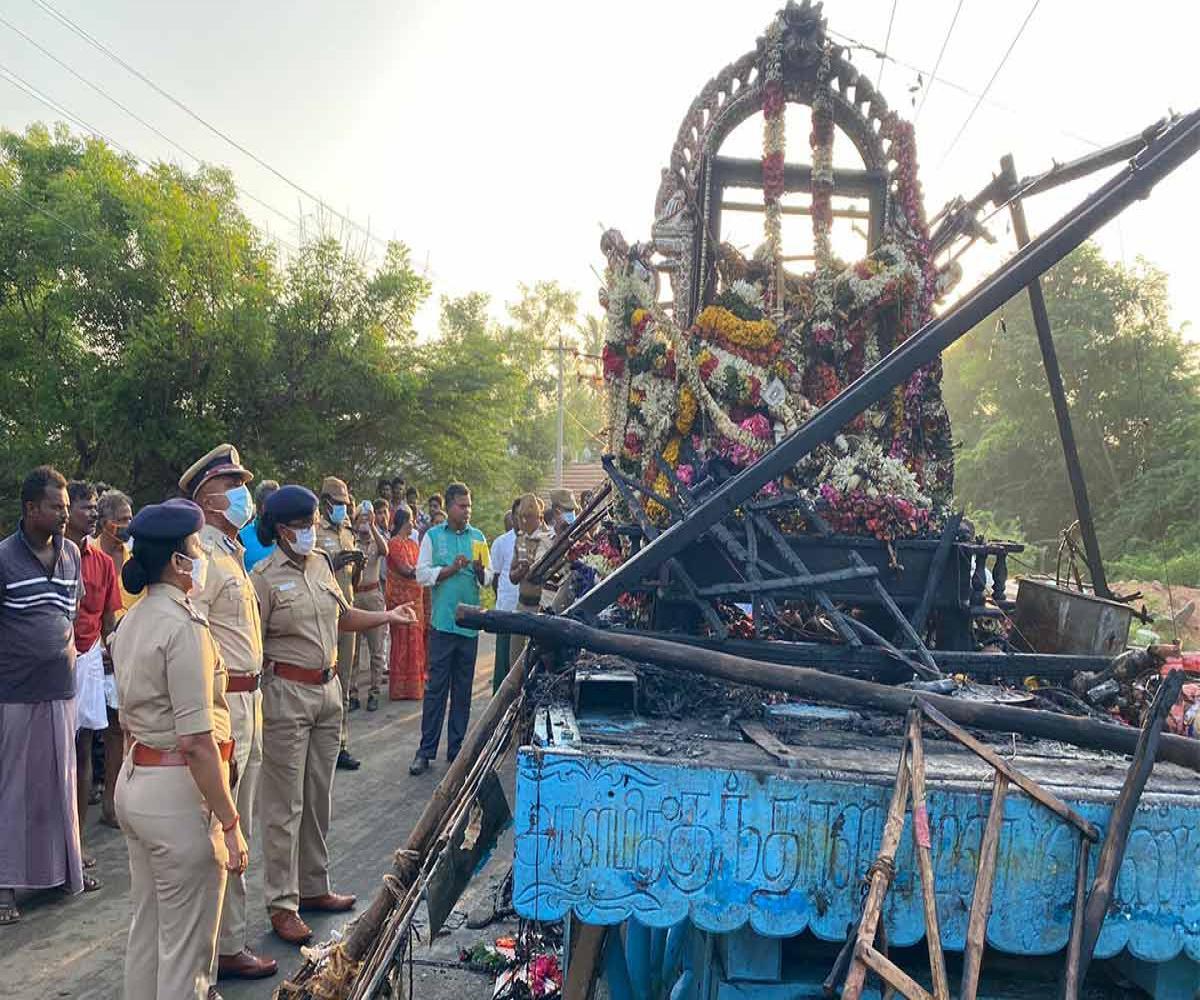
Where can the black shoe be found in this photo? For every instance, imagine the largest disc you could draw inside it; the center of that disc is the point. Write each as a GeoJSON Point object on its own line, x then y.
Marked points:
{"type": "Point", "coordinates": [354, 704]}
{"type": "Point", "coordinates": [372, 702]}
{"type": "Point", "coordinates": [347, 761]}
{"type": "Point", "coordinates": [419, 765]}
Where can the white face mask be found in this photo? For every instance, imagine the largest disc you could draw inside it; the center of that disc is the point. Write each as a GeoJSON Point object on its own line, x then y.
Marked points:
{"type": "Point", "coordinates": [198, 572]}
{"type": "Point", "coordinates": [305, 540]}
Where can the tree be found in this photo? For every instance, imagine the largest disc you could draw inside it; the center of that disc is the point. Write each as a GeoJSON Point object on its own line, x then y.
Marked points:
{"type": "Point", "coordinates": [144, 319]}
{"type": "Point", "coordinates": [1134, 392]}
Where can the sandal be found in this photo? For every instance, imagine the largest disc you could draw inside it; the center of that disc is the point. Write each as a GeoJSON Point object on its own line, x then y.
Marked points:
{"type": "Point", "coordinates": [9, 914]}
{"type": "Point", "coordinates": [91, 883]}
{"type": "Point", "coordinates": [89, 861]}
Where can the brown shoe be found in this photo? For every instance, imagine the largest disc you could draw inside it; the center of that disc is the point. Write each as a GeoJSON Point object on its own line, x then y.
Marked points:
{"type": "Point", "coordinates": [331, 902]}
{"type": "Point", "coordinates": [288, 925]}
{"type": "Point", "coordinates": [246, 965]}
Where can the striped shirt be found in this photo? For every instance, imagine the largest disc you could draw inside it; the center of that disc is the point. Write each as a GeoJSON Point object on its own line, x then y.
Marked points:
{"type": "Point", "coordinates": [37, 611]}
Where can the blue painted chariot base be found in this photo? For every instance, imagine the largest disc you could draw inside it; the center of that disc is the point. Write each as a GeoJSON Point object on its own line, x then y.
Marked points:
{"type": "Point", "coordinates": [636, 819]}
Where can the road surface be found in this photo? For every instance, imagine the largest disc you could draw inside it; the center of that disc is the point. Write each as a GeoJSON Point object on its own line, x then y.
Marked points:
{"type": "Point", "coordinates": [75, 946]}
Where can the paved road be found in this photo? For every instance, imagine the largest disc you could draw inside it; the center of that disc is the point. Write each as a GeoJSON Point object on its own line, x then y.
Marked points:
{"type": "Point", "coordinates": [75, 946]}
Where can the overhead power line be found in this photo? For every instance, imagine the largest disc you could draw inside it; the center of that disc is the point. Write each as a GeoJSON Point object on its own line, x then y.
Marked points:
{"type": "Point", "coordinates": [138, 118]}
{"type": "Point", "coordinates": [855, 43]}
{"type": "Point", "coordinates": [938, 63]}
{"type": "Point", "coordinates": [29, 89]}
{"type": "Point", "coordinates": [1003, 59]}
{"type": "Point", "coordinates": [887, 40]}
{"type": "Point", "coordinates": [101, 47]}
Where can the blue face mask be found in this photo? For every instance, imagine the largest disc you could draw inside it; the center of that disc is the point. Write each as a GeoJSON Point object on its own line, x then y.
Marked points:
{"type": "Point", "coordinates": [337, 514]}
{"type": "Point", "coordinates": [241, 506]}
{"type": "Point", "coordinates": [569, 516]}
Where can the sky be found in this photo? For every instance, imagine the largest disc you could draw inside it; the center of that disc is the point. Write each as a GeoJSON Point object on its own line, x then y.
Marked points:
{"type": "Point", "coordinates": [498, 139]}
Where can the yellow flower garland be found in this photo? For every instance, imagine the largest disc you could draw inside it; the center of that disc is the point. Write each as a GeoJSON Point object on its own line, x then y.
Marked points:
{"type": "Point", "coordinates": [719, 322]}
{"type": "Point", "coordinates": [687, 410]}
{"type": "Point", "coordinates": [670, 456]}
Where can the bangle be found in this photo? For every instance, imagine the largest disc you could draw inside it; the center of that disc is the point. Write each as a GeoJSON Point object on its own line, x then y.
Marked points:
{"type": "Point", "coordinates": [227, 827]}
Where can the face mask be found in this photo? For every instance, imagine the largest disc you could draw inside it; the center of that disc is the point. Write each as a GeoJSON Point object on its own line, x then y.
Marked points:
{"type": "Point", "coordinates": [338, 513]}
{"type": "Point", "coordinates": [198, 572]}
{"type": "Point", "coordinates": [306, 539]}
{"type": "Point", "coordinates": [241, 506]}
{"type": "Point", "coordinates": [120, 534]}
{"type": "Point", "coordinates": [569, 516]}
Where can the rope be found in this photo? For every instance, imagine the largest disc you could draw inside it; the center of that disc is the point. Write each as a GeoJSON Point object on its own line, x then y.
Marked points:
{"type": "Point", "coordinates": [336, 977]}
{"type": "Point", "coordinates": [882, 866]}
{"type": "Point", "coordinates": [408, 865]}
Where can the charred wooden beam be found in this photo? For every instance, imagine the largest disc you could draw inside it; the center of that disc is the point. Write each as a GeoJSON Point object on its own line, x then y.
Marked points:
{"type": "Point", "coordinates": [802, 582]}
{"type": "Point", "coordinates": [984, 666]}
{"type": "Point", "coordinates": [827, 687]}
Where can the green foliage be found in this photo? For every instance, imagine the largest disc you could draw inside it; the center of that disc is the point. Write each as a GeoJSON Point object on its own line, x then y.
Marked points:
{"type": "Point", "coordinates": [143, 319]}
{"type": "Point", "coordinates": [1134, 391]}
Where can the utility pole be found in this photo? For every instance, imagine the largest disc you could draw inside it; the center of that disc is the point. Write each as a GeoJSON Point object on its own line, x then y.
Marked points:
{"type": "Point", "coordinates": [558, 453]}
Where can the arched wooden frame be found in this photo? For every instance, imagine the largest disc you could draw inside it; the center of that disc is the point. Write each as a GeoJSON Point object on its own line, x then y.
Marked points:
{"type": "Point", "coordinates": [733, 96]}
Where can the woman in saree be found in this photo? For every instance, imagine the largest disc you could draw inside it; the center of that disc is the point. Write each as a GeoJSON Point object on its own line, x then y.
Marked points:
{"type": "Point", "coordinates": [406, 662]}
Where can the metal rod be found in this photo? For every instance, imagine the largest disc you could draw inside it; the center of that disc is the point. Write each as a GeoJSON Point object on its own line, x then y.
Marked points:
{"type": "Point", "coordinates": [1174, 146]}
{"type": "Point", "coordinates": [788, 582]}
{"type": "Point", "coordinates": [1058, 393]}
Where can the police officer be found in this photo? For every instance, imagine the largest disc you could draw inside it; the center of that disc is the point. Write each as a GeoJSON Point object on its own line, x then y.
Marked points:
{"type": "Point", "coordinates": [368, 594]}
{"type": "Point", "coordinates": [303, 610]}
{"type": "Point", "coordinates": [173, 796]}
{"type": "Point", "coordinates": [335, 537]}
{"type": "Point", "coordinates": [217, 483]}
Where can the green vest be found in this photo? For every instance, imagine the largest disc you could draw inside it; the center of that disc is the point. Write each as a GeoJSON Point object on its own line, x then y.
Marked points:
{"type": "Point", "coordinates": [463, 586]}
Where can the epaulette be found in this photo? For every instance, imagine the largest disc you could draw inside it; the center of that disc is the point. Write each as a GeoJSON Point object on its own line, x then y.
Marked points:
{"type": "Point", "coordinates": [195, 615]}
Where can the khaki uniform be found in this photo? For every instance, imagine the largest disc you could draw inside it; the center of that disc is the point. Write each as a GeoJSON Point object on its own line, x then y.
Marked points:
{"type": "Point", "coordinates": [300, 607]}
{"type": "Point", "coordinates": [231, 606]}
{"type": "Point", "coordinates": [332, 539]}
{"type": "Point", "coordinates": [171, 682]}
{"type": "Point", "coordinates": [369, 596]}
{"type": "Point", "coordinates": [531, 596]}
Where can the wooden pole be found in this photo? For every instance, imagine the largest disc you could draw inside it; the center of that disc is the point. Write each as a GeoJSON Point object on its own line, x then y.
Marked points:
{"type": "Point", "coordinates": [887, 970]}
{"type": "Point", "coordinates": [981, 898]}
{"type": "Point", "coordinates": [1071, 981]}
{"type": "Point", "coordinates": [1026, 784]}
{"type": "Point", "coordinates": [924, 845]}
{"type": "Point", "coordinates": [1058, 394]}
{"type": "Point", "coordinates": [828, 687]}
{"type": "Point", "coordinates": [879, 878]}
{"type": "Point", "coordinates": [1112, 852]}
{"type": "Point", "coordinates": [362, 933]}
{"type": "Point", "coordinates": [587, 945]}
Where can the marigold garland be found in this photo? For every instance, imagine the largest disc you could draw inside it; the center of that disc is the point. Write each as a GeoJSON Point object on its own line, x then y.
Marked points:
{"type": "Point", "coordinates": [687, 410]}
{"type": "Point", "coordinates": [719, 323]}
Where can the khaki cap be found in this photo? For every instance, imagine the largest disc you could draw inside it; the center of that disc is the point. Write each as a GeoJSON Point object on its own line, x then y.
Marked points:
{"type": "Point", "coordinates": [335, 489]}
{"type": "Point", "coordinates": [564, 498]}
{"type": "Point", "coordinates": [223, 460]}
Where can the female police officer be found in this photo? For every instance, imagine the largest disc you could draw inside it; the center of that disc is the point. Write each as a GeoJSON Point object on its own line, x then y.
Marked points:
{"type": "Point", "coordinates": [303, 610]}
{"type": "Point", "coordinates": [172, 797]}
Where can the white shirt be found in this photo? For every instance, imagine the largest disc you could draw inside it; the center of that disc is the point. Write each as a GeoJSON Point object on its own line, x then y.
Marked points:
{"type": "Point", "coordinates": [427, 572]}
{"type": "Point", "coordinates": [503, 549]}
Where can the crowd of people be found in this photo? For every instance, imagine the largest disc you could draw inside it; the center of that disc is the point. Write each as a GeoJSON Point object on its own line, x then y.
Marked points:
{"type": "Point", "coordinates": [211, 649]}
